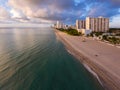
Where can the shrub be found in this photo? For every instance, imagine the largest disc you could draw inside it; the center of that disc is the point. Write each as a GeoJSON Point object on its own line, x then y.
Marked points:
{"type": "Point", "coordinates": [105, 37]}
{"type": "Point", "coordinates": [71, 31]}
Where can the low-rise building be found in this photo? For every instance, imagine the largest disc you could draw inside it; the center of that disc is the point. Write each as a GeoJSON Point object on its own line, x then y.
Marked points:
{"type": "Point", "coordinates": [85, 31]}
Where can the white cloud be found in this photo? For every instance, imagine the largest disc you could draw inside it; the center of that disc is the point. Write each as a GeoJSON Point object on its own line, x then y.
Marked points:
{"type": "Point", "coordinates": [115, 22]}
{"type": "Point", "coordinates": [4, 14]}
{"type": "Point", "coordinates": [50, 10]}
{"type": "Point", "coordinates": [18, 16]}
{"type": "Point", "coordinates": [15, 13]}
{"type": "Point", "coordinates": [11, 17]}
{"type": "Point", "coordinates": [27, 9]}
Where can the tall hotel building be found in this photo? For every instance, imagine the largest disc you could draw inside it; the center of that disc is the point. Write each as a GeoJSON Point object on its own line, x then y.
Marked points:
{"type": "Point", "coordinates": [97, 24]}
{"type": "Point", "coordinates": [58, 24]}
{"type": "Point", "coordinates": [80, 24]}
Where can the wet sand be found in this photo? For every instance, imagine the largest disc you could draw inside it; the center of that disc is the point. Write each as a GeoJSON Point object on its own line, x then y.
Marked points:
{"type": "Point", "coordinates": [102, 58]}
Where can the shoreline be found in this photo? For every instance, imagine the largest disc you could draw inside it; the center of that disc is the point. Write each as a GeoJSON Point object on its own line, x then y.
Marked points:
{"type": "Point", "coordinates": [93, 73]}
{"type": "Point", "coordinates": [88, 69]}
{"type": "Point", "coordinates": [109, 80]}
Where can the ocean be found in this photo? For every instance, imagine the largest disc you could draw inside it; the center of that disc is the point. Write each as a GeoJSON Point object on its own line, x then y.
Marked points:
{"type": "Point", "coordinates": [34, 59]}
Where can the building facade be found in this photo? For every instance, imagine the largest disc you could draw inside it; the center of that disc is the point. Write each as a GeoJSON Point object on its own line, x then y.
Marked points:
{"type": "Point", "coordinates": [100, 24]}
{"type": "Point", "coordinates": [80, 24]}
{"type": "Point", "coordinates": [60, 25]}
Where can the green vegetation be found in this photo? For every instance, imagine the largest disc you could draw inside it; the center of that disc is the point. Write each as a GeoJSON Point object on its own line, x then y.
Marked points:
{"type": "Point", "coordinates": [70, 31]}
{"type": "Point", "coordinates": [111, 39]}
{"type": "Point", "coordinates": [114, 30]}
{"type": "Point", "coordinates": [105, 37]}
{"type": "Point", "coordinates": [96, 34]}
{"type": "Point", "coordinates": [73, 32]}
{"type": "Point", "coordinates": [114, 40]}
{"type": "Point", "coordinates": [118, 34]}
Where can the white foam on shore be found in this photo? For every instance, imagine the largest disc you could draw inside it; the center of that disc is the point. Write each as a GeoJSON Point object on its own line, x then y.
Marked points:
{"type": "Point", "coordinates": [88, 68]}
{"type": "Point", "coordinates": [70, 52]}
{"type": "Point", "coordinates": [92, 72]}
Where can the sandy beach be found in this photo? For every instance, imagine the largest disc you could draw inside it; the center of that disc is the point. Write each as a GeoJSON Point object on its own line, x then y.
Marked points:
{"type": "Point", "coordinates": [102, 58]}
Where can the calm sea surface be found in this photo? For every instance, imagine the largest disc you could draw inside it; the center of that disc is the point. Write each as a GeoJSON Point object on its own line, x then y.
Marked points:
{"type": "Point", "coordinates": [33, 59]}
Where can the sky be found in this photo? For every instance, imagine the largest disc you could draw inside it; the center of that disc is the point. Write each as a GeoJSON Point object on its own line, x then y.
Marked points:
{"type": "Point", "coordinates": [50, 11]}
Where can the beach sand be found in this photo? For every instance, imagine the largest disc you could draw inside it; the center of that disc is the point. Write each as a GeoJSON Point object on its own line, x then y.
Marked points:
{"type": "Point", "coordinates": [102, 58]}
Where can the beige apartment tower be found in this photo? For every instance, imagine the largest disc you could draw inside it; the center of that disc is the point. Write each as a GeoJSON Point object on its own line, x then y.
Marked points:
{"type": "Point", "coordinates": [59, 24]}
{"type": "Point", "coordinates": [80, 24]}
{"type": "Point", "coordinates": [99, 24]}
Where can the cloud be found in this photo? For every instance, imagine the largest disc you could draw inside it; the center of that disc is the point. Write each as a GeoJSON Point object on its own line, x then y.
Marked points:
{"type": "Point", "coordinates": [100, 10]}
{"type": "Point", "coordinates": [49, 10]}
{"type": "Point", "coordinates": [4, 14]}
{"type": "Point", "coordinates": [63, 10]}
{"type": "Point", "coordinates": [115, 21]}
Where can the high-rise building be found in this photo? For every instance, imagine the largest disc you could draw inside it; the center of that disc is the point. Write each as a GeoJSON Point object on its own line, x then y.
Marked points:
{"type": "Point", "coordinates": [100, 24]}
{"type": "Point", "coordinates": [80, 24]}
{"type": "Point", "coordinates": [59, 25]}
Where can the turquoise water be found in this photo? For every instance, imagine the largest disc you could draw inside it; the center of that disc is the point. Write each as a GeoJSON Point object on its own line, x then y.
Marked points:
{"type": "Point", "coordinates": [33, 59]}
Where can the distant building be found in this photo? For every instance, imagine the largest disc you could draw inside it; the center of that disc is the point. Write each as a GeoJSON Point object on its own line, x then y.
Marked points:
{"type": "Point", "coordinates": [80, 24]}
{"type": "Point", "coordinates": [100, 24]}
{"type": "Point", "coordinates": [66, 26]}
{"type": "Point", "coordinates": [72, 26]}
{"type": "Point", "coordinates": [60, 25]}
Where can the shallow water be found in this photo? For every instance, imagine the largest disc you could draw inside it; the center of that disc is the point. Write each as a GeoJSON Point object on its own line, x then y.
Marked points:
{"type": "Point", "coordinates": [33, 59]}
